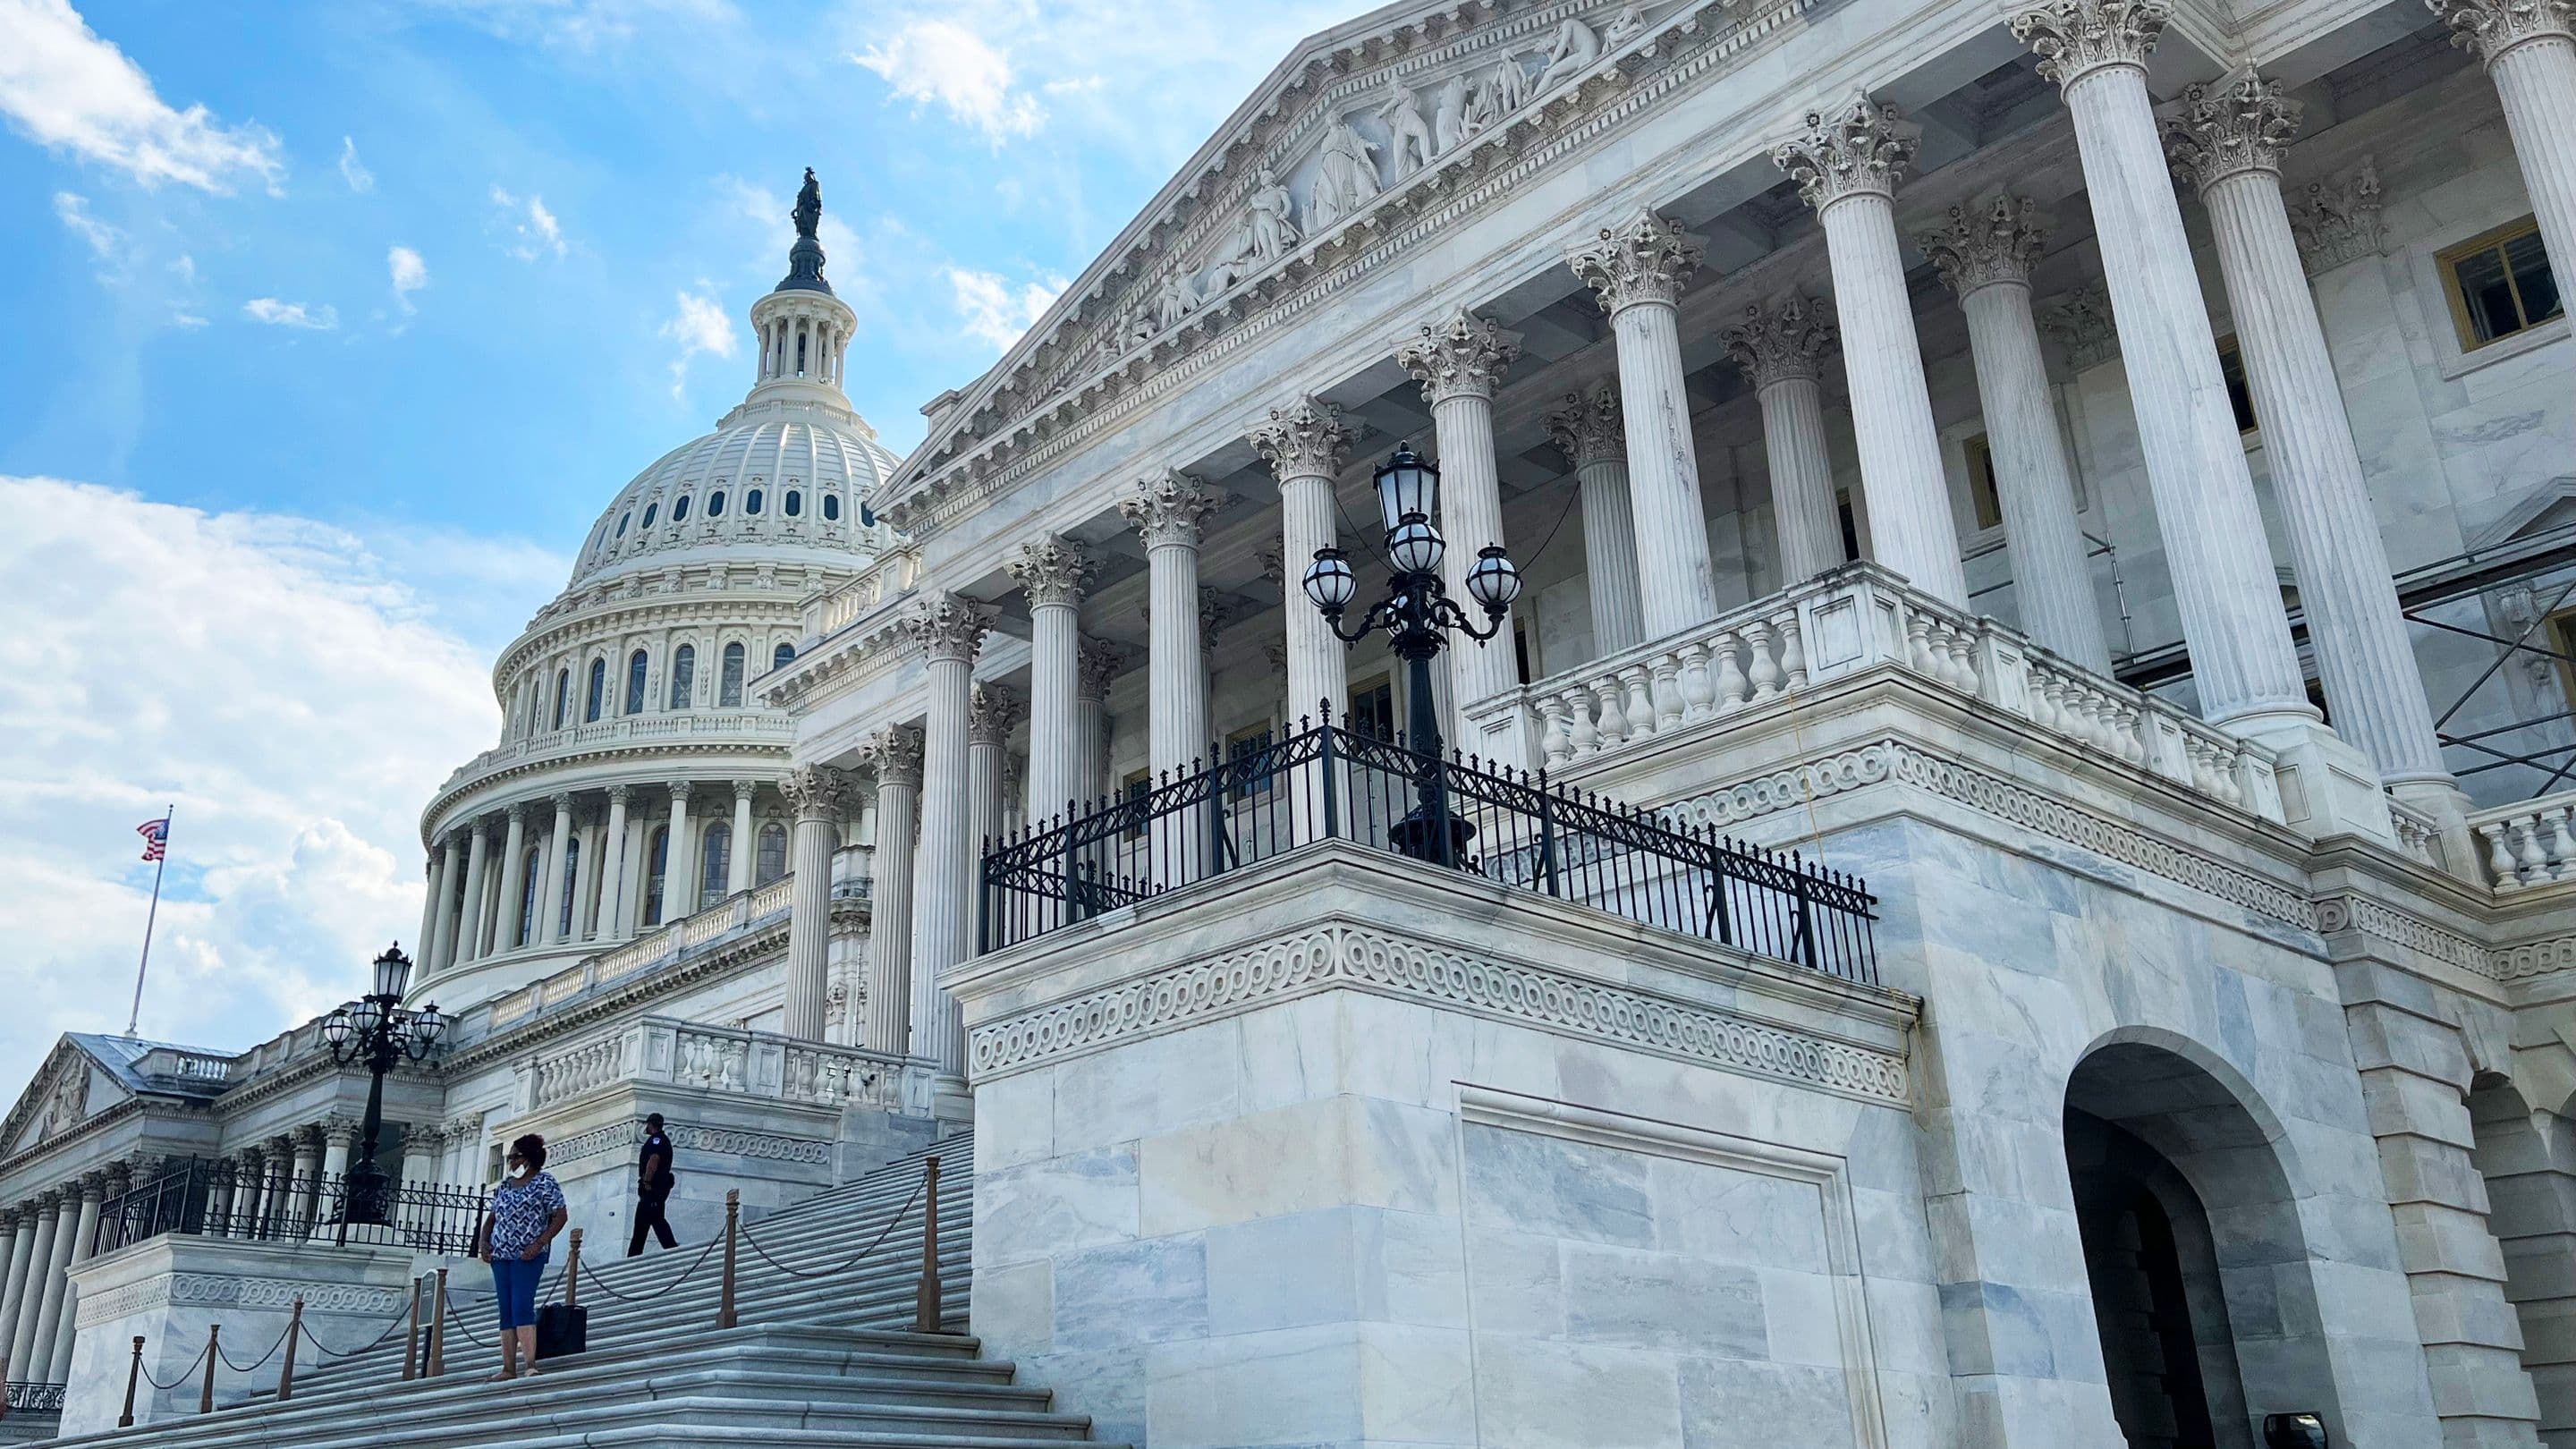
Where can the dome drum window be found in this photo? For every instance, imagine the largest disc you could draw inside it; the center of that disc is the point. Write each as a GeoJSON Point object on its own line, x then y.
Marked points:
{"type": "Point", "coordinates": [684, 675]}
{"type": "Point", "coordinates": [751, 501]}
{"type": "Point", "coordinates": [649, 510]}
{"type": "Point", "coordinates": [680, 509]}
{"type": "Point", "coordinates": [729, 682]}
{"type": "Point", "coordinates": [795, 503]}
{"type": "Point", "coordinates": [831, 508]}
{"type": "Point", "coordinates": [715, 504]}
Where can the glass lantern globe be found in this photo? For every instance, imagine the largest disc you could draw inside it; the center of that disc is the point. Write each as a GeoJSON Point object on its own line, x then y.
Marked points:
{"type": "Point", "coordinates": [364, 1016]}
{"type": "Point", "coordinates": [1416, 547]}
{"type": "Point", "coordinates": [1329, 582]}
{"type": "Point", "coordinates": [1494, 580]}
{"type": "Point", "coordinates": [336, 1028]}
{"type": "Point", "coordinates": [393, 972]}
{"type": "Point", "coordinates": [1407, 488]}
{"type": "Point", "coordinates": [428, 1025]}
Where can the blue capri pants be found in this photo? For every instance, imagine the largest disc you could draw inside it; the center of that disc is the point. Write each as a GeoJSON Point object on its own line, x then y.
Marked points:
{"type": "Point", "coordinates": [514, 1289]}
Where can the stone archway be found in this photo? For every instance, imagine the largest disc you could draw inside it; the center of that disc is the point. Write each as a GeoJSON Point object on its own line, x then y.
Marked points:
{"type": "Point", "coordinates": [2528, 1161]}
{"type": "Point", "coordinates": [2194, 1249]}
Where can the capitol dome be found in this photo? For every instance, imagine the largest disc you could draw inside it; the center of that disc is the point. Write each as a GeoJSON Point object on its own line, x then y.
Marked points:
{"type": "Point", "coordinates": [636, 781]}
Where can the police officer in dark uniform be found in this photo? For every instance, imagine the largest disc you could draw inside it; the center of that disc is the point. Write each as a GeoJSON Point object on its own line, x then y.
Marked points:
{"type": "Point", "coordinates": [653, 1183]}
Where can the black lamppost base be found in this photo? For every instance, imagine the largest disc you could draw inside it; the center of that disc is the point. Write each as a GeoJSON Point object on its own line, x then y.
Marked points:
{"type": "Point", "coordinates": [1416, 836]}
{"type": "Point", "coordinates": [370, 1198]}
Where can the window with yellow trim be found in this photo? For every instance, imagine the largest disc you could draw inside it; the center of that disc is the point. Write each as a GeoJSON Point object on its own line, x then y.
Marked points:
{"type": "Point", "coordinates": [2500, 284]}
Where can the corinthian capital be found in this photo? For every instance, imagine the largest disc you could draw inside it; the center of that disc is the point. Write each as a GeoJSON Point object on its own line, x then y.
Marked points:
{"type": "Point", "coordinates": [1647, 259]}
{"type": "Point", "coordinates": [1050, 571]}
{"type": "Point", "coordinates": [895, 754]}
{"type": "Point", "coordinates": [1305, 439]}
{"type": "Point", "coordinates": [1786, 343]}
{"type": "Point", "coordinates": [1982, 243]}
{"type": "Point", "coordinates": [1167, 511]}
{"type": "Point", "coordinates": [816, 791]}
{"type": "Point", "coordinates": [1859, 149]}
{"type": "Point", "coordinates": [947, 627]}
{"type": "Point", "coordinates": [1097, 665]}
{"type": "Point", "coordinates": [2235, 126]}
{"type": "Point", "coordinates": [1465, 356]}
{"type": "Point", "coordinates": [2489, 28]}
{"type": "Point", "coordinates": [992, 712]}
{"type": "Point", "coordinates": [2074, 38]}
{"type": "Point", "coordinates": [1587, 428]}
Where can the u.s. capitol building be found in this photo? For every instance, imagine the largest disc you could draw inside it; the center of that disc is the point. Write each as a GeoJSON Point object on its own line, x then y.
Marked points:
{"type": "Point", "coordinates": [2007, 875]}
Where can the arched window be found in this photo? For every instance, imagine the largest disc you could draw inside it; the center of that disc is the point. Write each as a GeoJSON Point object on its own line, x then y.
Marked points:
{"type": "Point", "coordinates": [532, 870]}
{"type": "Point", "coordinates": [563, 696]}
{"type": "Point", "coordinates": [622, 520]}
{"type": "Point", "coordinates": [654, 861]}
{"type": "Point", "coordinates": [597, 694]}
{"type": "Point", "coordinates": [831, 508]}
{"type": "Point", "coordinates": [571, 882]}
{"type": "Point", "coordinates": [680, 509]}
{"type": "Point", "coordinates": [795, 503]}
{"type": "Point", "coordinates": [715, 863]}
{"type": "Point", "coordinates": [684, 675]}
{"type": "Point", "coordinates": [729, 683]}
{"type": "Point", "coordinates": [715, 504]}
{"type": "Point", "coordinates": [772, 861]}
{"type": "Point", "coordinates": [800, 352]}
{"type": "Point", "coordinates": [751, 503]}
{"type": "Point", "coordinates": [635, 682]}
{"type": "Point", "coordinates": [782, 656]}
{"type": "Point", "coordinates": [649, 510]}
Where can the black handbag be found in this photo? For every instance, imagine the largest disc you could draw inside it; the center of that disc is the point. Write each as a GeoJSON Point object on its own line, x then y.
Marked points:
{"type": "Point", "coordinates": [562, 1329]}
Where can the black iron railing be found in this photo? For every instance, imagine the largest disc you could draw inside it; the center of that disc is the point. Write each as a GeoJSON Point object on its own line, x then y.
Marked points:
{"type": "Point", "coordinates": [217, 1200]}
{"type": "Point", "coordinates": [27, 1398]}
{"type": "Point", "coordinates": [1330, 783]}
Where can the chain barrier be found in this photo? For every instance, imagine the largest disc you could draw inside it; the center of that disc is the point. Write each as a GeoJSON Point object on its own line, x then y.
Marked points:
{"type": "Point", "coordinates": [447, 1306]}
{"type": "Point", "coordinates": [897, 1221]}
{"type": "Point", "coordinates": [243, 1368]}
{"type": "Point", "coordinates": [590, 1276]}
{"type": "Point", "coordinates": [326, 1351]}
{"type": "Point", "coordinates": [185, 1374]}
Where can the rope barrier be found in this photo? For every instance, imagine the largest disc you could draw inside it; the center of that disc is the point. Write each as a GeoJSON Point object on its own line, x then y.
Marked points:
{"type": "Point", "coordinates": [897, 1221]}
{"type": "Point", "coordinates": [591, 1276]}
{"type": "Point", "coordinates": [184, 1374]}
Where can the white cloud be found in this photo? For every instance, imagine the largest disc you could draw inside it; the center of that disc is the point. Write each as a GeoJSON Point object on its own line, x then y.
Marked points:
{"type": "Point", "coordinates": [63, 86]}
{"type": "Point", "coordinates": [944, 63]}
{"type": "Point", "coordinates": [186, 319]}
{"type": "Point", "coordinates": [351, 169]}
{"type": "Point", "coordinates": [409, 274]}
{"type": "Point", "coordinates": [73, 211]}
{"type": "Point", "coordinates": [995, 311]}
{"type": "Point", "coordinates": [295, 696]}
{"type": "Point", "coordinates": [699, 325]}
{"type": "Point", "coordinates": [291, 314]}
{"type": "Point", "coordinates": [533, 230]}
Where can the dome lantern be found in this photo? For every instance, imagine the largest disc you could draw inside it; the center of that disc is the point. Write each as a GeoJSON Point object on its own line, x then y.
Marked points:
{"type": "Point", "coordinates": [804, 330]}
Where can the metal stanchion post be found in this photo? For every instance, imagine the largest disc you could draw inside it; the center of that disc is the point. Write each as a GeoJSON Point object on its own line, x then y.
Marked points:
{"type": "Point", "coordinates": [133, 1371]}
{"type": "Point", "coordinates": [294, 1331]}
{"type": "Point", "coordinates": [438, 1327]}
{"type": "Point", "coordinates": [214, 1353]}
{"type": "Point", "coordinates": [572, 1273]}
{"type": "Point", "coordinates": [733, 1226]}
{"type": "Point", "coordinates": [925, 1303]}
{"type": "Point", "coordinates": [411, 1337]}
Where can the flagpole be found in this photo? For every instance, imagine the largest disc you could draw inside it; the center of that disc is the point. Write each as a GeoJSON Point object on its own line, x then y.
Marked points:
{"type": "Point", "coordinates": [134, 1017]}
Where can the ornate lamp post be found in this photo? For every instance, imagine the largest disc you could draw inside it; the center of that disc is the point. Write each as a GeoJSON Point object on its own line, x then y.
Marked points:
{"type": "Point", "coordinates": [380, 1031]}
{"type": "Point", "coordinates": [1417, 615]}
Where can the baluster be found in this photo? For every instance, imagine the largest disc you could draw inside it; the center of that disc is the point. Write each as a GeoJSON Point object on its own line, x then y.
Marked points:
{"type": "Point", "coordinates": [2533, 857]}
{"type": "Point", "coordinates": [1963, 663]}
{"type": "Point", "coordinates": [1696, 693]}
{"type": "Point", "coordinates": [2231, 775]}
{"type": "Point", "coordinates": [1554, 746]}
{"type": "Point", "coordinates": [1643, 717]}
{"type": "Point", "coordinates": [2084, 713]}
{"type": "Point", "coordinates": [2048, 702]}
{"type": "Point", "coordinates": [1731, 684]}
{"type": "Point", "coordinates": [1582, 736]}
{"type": "Point", "coordinates": [1613, 723]}
{"type": "Point", "coordinates": [1793, 651]}
{"type": "Point", "coordinates": [1764, 673]}
{"type": "Point", "coordinates": [2499, 858]}
{"type": "Point", "coordinates": [2562, 845]}
{"type": "Point", "coordinates": [1667, 671]}
{"type": "Point", "coordinates": [1918, 644]}
{"type": "Point", "coordinates": [2133, 734]}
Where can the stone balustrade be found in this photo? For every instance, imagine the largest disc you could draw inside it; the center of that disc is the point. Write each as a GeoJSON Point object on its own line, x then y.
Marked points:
{"type": "Point", "coordinates": [727, 1060]}
{"type": "Point", "coordinates": [2527, 845]}
{"type": "Point", "coordinates": [891, 576]}
{"type": "Point", "coordinates": [731, 725]}
{"type": "Point", "coordinates": [1749, 661]}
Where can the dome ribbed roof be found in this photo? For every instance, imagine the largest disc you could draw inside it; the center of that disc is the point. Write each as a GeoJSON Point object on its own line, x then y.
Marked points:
{"type": "Point", "coordinates": [778, 481]}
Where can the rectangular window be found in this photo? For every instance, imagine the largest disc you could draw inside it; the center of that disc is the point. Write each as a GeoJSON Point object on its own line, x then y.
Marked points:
{"type": "Point", "coordinates": [1137, 785]}
{"type": "Point", "coordinates": [1248, 774]}
{"type": "Point", "coordinates": [1372, 711]}
{"type": "Point", "coordinates": [1982, 497]}
{"type": "Point", "coordinates": [2240, 397]}
{"type": "Point", "coordinates": [2500, 284]}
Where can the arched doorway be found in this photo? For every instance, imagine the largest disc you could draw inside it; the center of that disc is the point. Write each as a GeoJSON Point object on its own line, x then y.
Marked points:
{"type": "Point", "coordinates": [2528, 1160]}
{"type": "Point", "coordinates": [2193, 1250]}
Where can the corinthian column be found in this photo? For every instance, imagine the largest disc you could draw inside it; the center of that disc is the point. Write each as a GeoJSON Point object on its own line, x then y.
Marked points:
{"type": "Point", "coordinates": [550, 895]}
{"type": "Point", "coordinates": [1459, 364]}
{"type": "Point", "coordinates": [738, 850]}
{"type": "Point", "coordinates": [1166, 514]}
{"type": "Point", "coordinates": [1846, 164]}
{"type": "Point", "coordinates": [680, 859]}
{"type": "Point", "coordinates": [1985, 253]}
{"type": "Point", "coordinates": [2227, 141]}
{"type": "Point", "coordinates": [442, 942]}
{"type": "Point", "coordinates": [514, 881]}
{"type": "Point", "coordinates": [1781, 351]}
{"type": "Point", "coordinates": [1305, 443]}
{"type": "Point", "coordinates": [1097, 667]}
{"type": "Point", "coordinates": [895, 755]}
{"type": "Point", "coordinates": [58, 1262]}
{"type": "Point", "coordinates": [815, 793]}
{"type": "Point", "coordinates": [469, 915]}
{"type": "Point", "coordinates": [949, 631]}
{"type": "Point", "coordinates": [94, 1189]}
{"type": "Point", "coordinates": [610, 924]}
{"type": "Point", "coordinates": [2529, 47]}
{"type": "Point", "coordinates": [991, 714]}
{"type": "Point", "coordinates": [1638, 270]}
{"type": "Point", "coordinates": [1589, 431]}
{"type": "Point", "coordinates": [1051, 572]}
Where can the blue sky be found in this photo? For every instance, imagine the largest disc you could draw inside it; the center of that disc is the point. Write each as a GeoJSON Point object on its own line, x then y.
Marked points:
{"type": "Point", "coordinates": [333, 325]}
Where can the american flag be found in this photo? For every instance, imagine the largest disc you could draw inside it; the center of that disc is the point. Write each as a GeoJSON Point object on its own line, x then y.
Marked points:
{"type": "Point", "coordinates": [156, 837]}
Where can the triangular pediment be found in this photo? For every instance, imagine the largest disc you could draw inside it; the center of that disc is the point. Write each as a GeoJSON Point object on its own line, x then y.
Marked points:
{"type": "Point", "coordinates": [73, 1085]}
{"type": "Point", "coordinates": [1350, 137]}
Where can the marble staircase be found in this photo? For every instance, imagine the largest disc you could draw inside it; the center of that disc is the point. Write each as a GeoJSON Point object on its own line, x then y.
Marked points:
{"type": "Point", "coordinates": [813, 1360]}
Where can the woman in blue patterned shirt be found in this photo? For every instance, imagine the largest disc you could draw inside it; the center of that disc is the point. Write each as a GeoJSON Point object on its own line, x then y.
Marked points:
{"type": "Point", "coordinates": [527, 1211]}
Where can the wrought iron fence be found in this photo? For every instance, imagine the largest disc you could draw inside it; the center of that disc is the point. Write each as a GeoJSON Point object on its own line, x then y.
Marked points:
{"type": "Point", "coordinates": [1330, 783]}
{"type": "Point", "coordinates": [28, 1398]}
{"type": "Point", "coordinates": [217, 1200]}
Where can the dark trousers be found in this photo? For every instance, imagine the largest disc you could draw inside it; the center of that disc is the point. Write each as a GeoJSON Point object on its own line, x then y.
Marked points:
{"type": "Point", "coordinates": [648, 1218]}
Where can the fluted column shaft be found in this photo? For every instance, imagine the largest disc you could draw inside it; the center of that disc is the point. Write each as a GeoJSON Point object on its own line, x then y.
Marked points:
{"type": "Point", "coordinates": [1176, 688]}
{"type": "Point", "coordinates": [426, 942]}
{"type": "Point", "coordinates": [1098, 666]}
{"type": "Point", "coordinates": [1050, 572]}
{"type": "Point", "coordinates": [550, 895]}
{"type": "Point", "coordinates": [1910, 528]}
{"type": "Point", "coordinates": [1318, 665]}
{"type": "Point", "coordinates": [611, 922]}
{"type": "Point", "coordinates": [817, 795]}
{"type": "Point", "coordinates": [1610, 555]}
{"type": "Point", "coordinates": [2033, 485]}
{"type": "Point", "coordinates": [1471, 518]}
{"type": "Point", "coordinates": [2225, 589]}
{"type": "Point", "coordinates": [1805, 514]}
{"type": "Point", "coordinates": [514, 881]}
{"type": "Point", "coordinates": [1671, 522]}
{"type": "Point", "coordinates": [2345, 584]}
{"type": "Point", "coordinates": [738, 854]}
{"type": "Point", "coordinates": [14, 1297]}
{"type": "Point", "coordinates": [31, 1306]}
{"type": "Point", "coordinates": [64, 1226]}
{"type": "Point", "coordinates": [944, 894]}
{"type": "Point", "coordinates": [469, 942]}
{"type": "Point", "coordinates": [890, 930]}
{"type": "Point", "coordinates": [84, 1234]}
{"type": "Point", "coordinates": [680, 861]}
{"type": "Point", "coordinates": [442, 941]}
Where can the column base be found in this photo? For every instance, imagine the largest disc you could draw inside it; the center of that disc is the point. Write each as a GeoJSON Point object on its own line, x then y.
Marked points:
{"type": "Point", "coordinates": [951, 1101]}
{"type": "Point", "coordinates": [2441, 797]}
{"type": "Point", "coordinates": [2327, 786]}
